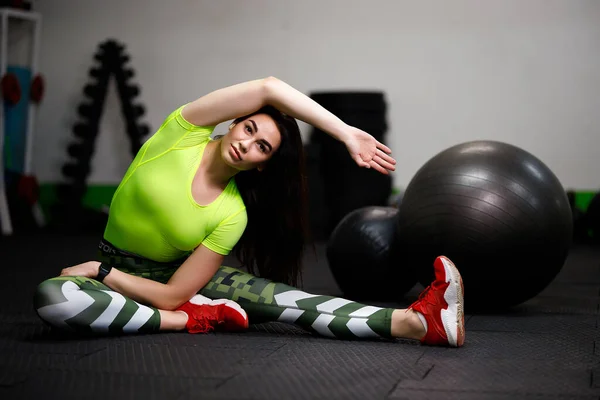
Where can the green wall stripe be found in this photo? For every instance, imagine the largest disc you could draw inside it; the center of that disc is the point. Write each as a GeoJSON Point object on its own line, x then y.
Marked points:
{"type": "Point", "coordinates": [582, 199]}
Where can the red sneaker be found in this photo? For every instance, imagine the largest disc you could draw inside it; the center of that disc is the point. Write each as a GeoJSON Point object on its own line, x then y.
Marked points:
{"type": "Point", "coordinates": [205, 315]}
{"type": "Point", "coordinates": [442, 305]}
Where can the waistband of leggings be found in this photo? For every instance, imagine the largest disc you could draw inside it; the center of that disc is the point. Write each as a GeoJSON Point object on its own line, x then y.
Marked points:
{"type": "Point", "coordinates": [114, 256]}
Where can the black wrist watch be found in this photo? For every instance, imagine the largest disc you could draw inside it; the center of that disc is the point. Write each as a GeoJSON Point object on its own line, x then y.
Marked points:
{"type": "Point", "coordinates": [103, 270]}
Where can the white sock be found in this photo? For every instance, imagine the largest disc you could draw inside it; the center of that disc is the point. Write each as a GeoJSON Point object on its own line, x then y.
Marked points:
{"type": "Point", "coordinates": [423, 320]}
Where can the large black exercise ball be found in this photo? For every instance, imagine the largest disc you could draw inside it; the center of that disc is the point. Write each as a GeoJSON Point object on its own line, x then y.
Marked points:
{"type": "Point", "coordinates": [494, 209]}
{"type": "Point", "coordinates": [362, 256]}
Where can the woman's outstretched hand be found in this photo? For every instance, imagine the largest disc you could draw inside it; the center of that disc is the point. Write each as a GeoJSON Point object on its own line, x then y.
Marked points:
{"type": "Point", "coordinates": [367, 152]}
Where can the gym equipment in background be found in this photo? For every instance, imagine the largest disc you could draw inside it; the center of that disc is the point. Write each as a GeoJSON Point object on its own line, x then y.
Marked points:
{"type": "Point", "coordinates": [19, 189]}
{"type": "Point", "coordinates": [337, 184]}
{"type": "Point", "coordinates": [494, 209]}
{"type": "Point", "coordinates": [363, 257]}
{"type": "Point", "coordinates": [69, 212]}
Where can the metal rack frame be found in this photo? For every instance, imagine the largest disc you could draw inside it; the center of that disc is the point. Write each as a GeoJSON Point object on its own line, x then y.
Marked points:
{"type": "Point", "coordinates": [5, 15]}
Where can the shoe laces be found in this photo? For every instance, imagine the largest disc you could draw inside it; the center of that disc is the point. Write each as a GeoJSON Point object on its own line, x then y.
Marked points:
{"type": "Point", "coordinates": [205, 320]}
{"type": "Point", "coordinates": [422, 296]}
{"type": "Point", "coordinates": [201, 325]}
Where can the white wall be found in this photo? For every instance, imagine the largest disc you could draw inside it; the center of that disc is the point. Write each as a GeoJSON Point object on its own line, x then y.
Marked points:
{"type": "Point", "coordinates": [522, 71]}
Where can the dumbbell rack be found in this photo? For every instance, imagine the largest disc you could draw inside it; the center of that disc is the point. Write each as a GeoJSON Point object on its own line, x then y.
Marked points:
{"type": "Point", "coordinates": [5, 15]}
{"type": "Point", "coordinates": [111, 59]}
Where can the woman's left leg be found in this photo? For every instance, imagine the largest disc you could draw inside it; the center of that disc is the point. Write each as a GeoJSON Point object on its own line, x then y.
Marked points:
{"type": "Point", "coordinates": [267, 301]}
{"type": "Point", "coordinates": [436, 318]}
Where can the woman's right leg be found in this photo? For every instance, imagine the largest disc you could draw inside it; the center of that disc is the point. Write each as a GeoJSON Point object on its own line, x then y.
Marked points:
{"type": "Point", "coordinates": [85, 305]}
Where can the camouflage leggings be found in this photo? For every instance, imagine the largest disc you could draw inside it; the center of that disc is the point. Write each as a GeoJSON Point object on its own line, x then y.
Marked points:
{"type": "Point", "coordinates": [86, 305]}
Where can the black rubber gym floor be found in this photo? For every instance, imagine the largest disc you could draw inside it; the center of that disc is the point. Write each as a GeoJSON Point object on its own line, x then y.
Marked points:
{"type": "Point", "coordinates": [549, 348]}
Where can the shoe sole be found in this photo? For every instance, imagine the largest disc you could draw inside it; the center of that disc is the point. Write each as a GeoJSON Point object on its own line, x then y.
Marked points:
{"type": "Point", "coordinates": [454, 319]}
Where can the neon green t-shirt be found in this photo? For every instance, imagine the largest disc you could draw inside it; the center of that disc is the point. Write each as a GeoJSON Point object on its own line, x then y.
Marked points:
{"type": "Point", "coordinates": [153, 213]}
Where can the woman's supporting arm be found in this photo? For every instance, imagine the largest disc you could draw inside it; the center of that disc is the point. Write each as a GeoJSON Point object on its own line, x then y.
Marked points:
{"type": "Point", "coordinates": [190, 277]}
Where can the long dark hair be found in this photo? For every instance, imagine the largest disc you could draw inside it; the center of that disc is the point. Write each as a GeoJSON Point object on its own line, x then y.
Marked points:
{"type": "Point", "coordinates": [276, 202]}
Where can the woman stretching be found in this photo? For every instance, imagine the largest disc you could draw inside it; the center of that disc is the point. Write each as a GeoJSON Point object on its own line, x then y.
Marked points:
{"type": "Point", "coordinates": [188, 200]}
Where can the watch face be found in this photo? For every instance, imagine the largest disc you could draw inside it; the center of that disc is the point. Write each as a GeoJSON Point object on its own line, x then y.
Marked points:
{"type": "Point", "coordinates": [104, 270]}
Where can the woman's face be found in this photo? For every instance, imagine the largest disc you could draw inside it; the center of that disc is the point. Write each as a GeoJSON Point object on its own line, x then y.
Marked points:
{"type": "Point", "coordinates": [251, 143]}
